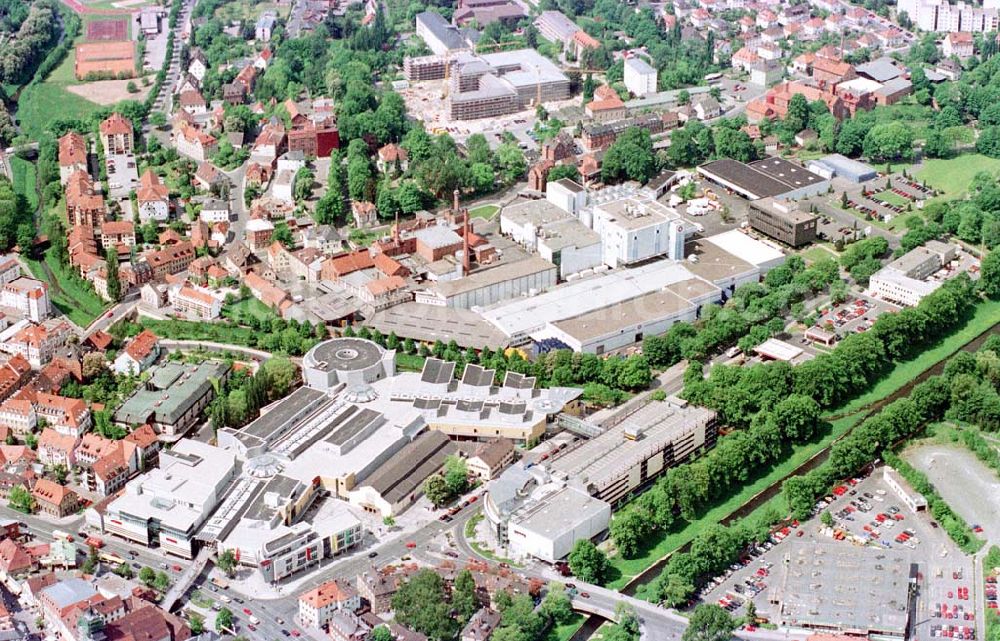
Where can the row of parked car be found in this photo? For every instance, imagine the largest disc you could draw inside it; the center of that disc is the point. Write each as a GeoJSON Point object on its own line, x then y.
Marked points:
{"type": "Point", "coordinates": [963, 632]}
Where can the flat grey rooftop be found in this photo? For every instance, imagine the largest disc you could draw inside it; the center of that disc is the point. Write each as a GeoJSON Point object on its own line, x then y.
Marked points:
{"type": "Point", "coordinates": [551, 516]}
{"type": "Point", "coordinates": [347, 354]}
{"type": "Point", "coordinates": [432, 322]}
{"type": "Point", "coordinates": [606, 457]}
{"type": "Point", "coordinates": [353, 426]}
{"type": "Point", "coordinates": [283, 412]}
{"type": "Point", "coordinates": [569, 233]}
{"type": "Point", "coordinates": [840, 586]}
{"type": "Point", "coordinates": [534, 212]}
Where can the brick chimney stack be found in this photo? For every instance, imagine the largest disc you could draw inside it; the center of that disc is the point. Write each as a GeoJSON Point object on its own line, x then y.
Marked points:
{"type": "Point", "coordinates": [465, 241]}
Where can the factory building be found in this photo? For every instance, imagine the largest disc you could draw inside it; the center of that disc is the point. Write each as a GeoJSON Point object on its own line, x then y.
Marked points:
{"type": "Point", "coordinates": [837, 165]}
{"type": "Point", "coordinates": [557, 236]}
{"type": "Point", "coordinates": [492, 285]}
{"type": "Point", "coordinates": [626, 323]}
{"type": "Point", "coordinates": [586, 301]}
{"type": "Point", "coordinates": [770, 177]}
{"type": "Point", "coordinates": [635, 229]}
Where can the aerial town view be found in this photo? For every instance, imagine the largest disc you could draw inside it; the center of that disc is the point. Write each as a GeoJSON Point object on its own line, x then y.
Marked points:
{"type": "Point", "coordinates": [509, 320]}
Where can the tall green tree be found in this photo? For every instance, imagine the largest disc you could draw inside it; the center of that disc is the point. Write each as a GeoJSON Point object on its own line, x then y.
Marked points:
{"type": "Point", "coordinates": [227, 563]}
{"type": "Point", "coordinates": [114, 285]}
{"type": "Point", "coordinates": [224, 620]}
{"type": "Point", "coordinates": [456, 474]}
{"type": "Point", "coordinates": [436, 489]}
{"type": "Point", "coordinates": [420, 604]}
{"type": "Point", "coordinates": [463, 596]}
{"type": "Point", "coordinates": [709, 623]}
{"type": "Point", "coordinates": [20, 499]}
{"type": "Point", "coordinates": [587, 562]}
{"type": "Point", "coordinates": [630, 157]}
{"type": "Point", "coordinates": [989, 279]}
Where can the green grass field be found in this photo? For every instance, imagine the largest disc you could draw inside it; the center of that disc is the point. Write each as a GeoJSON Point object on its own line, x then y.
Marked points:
{"type": "Point", "coordinates": [985, 316]}
{"type": "Point", "coordinates": [484, 211]}
{"type": "Point", "coordinates": [253, 307]}
{"type": "Point", "coordinates": [25, 180]}
{"type": "Point", "coordinates": [816, 253]}
{"type": "Point", "coordinates": [893, 199]}
{"type": "Point", "coordinates": [71, 296]}
{"type": "Point", "coordinates": [565, 631]}
{"type": "Point", "coordinates": [409, 362]}
{"type": "Point", "coordinates": [953, 175]}
{"type": "Point", "coordinates": [45, 102]}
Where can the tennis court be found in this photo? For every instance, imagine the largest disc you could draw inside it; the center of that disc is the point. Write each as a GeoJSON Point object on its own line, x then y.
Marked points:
{"type": "Point", "coordinates": [110, 30]}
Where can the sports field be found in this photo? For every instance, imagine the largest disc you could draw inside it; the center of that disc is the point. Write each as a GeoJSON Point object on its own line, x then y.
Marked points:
{"type": "Point", "coordinates": [111, 29]}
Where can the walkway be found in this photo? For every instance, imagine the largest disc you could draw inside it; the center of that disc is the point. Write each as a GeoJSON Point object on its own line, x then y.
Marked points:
{"type": "Point", "coordinates": [211, 346]}
{"type": "Point", "coordinates": [184, 581]}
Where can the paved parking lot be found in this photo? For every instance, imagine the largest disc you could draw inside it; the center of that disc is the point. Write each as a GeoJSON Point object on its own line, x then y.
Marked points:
{"type": "Point", "coordinates": [123, 176]}
{"type": "Point", "coordinates": [963, 481]}
{"type": "Point", "coordinates": [856, 314]}
{"type": "Point", "coordinates": [875, 520]}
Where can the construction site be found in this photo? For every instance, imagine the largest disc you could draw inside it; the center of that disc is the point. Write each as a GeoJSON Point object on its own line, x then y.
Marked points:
{"type": "Point", "coordinates": [468, 87]}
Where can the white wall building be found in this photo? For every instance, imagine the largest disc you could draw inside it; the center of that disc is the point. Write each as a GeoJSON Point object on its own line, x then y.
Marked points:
{"type": "Point", "coordinates": [214, 210]}
{"type": "Point", "coordinates": [941, 16]}
{"type": "Point", "coordinates": [439, 35]}
{"type": "Point", "coordinates": [567, 195]}
{"type": "Point", "coordinates": [636, 229]}
{"type": "Point", "coordinates": [905, 280]}
{"type": "Point", "coordinates": [913, 499]}
{"type": "Point", "coordinates": [492, 285]}
{"type": "Point", "coordinates": [317, 605]}
{"type": "Point", "coordinates": [626, 323]}
{"type": "Point", "coordinates": [608, 306]}
{"type": "Point", "coordinates": [548, 527]}
{"type": "Point", "coordinates": [640, 77]}
{"type": "Point", "coordinates": [28, 296]}
{"type": "Point", "coordinates": [169, 504]}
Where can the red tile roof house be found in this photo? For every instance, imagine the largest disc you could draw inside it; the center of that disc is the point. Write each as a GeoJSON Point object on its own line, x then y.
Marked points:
{"type": "Point", "coordinates": [54, 499]}
{"type": "Point", "coordinates": [57, 449]}
{"type": "Point", "coordinates": [116, 134]}
{"type": "Point", "coordinates": [141, 352]}
{"type": "Point", "coordinates": [147, 446]}
{"type": "Point", "coordinates": [72, 155]}
{"type": "Point", "coordinates": [13, 375]}
{"type": "Point", "coordinates": [317, 605]}
{"type": "Point", "coordinates": [153, 197]}
{"type": "Point", "coordinates": [109, 473]}
{"type": "Point", "coordinates": [66, 415]}
{"type": "Point", "coordinates": [14, 559]}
